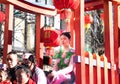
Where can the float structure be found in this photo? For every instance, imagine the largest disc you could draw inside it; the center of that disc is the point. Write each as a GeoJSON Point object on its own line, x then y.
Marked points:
{"type": "Point", "coordinates": [90, 69]}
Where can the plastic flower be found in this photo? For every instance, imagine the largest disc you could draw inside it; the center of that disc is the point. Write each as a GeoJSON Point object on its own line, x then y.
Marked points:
{"type": "Point", "coordinates": [63, 55]}
{"type": "Point", "coordinates": [58, 60]}
{"type": "Point", "coordinates": [72, 50]}
{"type": "Point", "coordinates": [66, 61]}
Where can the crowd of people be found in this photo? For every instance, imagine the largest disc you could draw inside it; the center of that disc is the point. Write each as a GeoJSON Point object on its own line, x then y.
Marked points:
{"type": "Point", "coordinates": [27, 72]}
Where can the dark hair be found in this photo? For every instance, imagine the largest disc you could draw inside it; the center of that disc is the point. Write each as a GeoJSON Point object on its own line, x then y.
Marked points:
{"type": "Point", "coordinates": [23, 67]}
{"type": "Point", "coordinates": [67, 34]}
{"type": "Point", "coordinates": [12, 52]}
{"type": "Point", "coordinates": [32, 58]}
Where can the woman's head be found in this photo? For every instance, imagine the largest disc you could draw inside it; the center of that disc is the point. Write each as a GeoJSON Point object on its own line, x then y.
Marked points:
{"type": "Point", "coordinates": [67, 34]}
{"type": "Point", "coordinates": [65, 38]}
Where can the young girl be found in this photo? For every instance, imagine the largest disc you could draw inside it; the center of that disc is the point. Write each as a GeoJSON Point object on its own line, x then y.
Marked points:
{"type": "Point", "coordinates": [4, 77]}
{"type": "Point", "coordinates": [63, 68]}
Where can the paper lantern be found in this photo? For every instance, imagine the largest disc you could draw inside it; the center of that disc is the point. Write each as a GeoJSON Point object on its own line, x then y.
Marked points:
{"type": "Point", "coordinates": [88, 19]}
{"type": "Point", "coordinates": [65, 14]}
{"type": "Point", "coordinates": [102, 16]}
{"type": "Point", "coordinates": [52, 44]}
{"type": "Point", "coordinates": [65, 7]}
{"type": "Point", "coordinates": [2, 16]}
{"type": "Point", "coordinates": [66, 4]}
{"type": "Point", "coordinates": [49, 35]}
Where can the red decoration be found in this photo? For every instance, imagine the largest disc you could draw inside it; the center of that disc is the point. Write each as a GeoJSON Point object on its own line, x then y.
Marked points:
{"type": "Point", "coordinates": [52, 44]}
{"type": "Point", "coordinates": [102, 58]}
{"type": "Point", "coordinates": [102, 16]}
{"type": "Point", "coordinates": [65, 7]}
{"type": "Point", "coordinates": [49, 51]}
{"type": "Point", "coordinates": [88, 19]}
{"type": "Point", "coordinates": [2, 16]}
{"type": "Point", "coordinates": [65, 14]}
{"type": "Point", "coordinates": [65, 4]}
{"type": "Point", "coordinates": [50, 37]}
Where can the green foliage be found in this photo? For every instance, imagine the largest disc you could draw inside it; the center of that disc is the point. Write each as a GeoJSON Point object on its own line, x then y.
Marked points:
{"type": "Point", "coordinates": [94, 37]}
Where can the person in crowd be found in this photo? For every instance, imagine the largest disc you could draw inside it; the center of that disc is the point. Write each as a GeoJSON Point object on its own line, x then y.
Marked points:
{"type": "Point", "coordinates": [12, 61]}
{"type": "Point", "coordinates": [23, 75]}
{"type": "Point", "coordinates": [4, 77]}
{"type": "Point", "coordinates": [63, 68]}
{"type": "Point", "coordinates": [38, 74]}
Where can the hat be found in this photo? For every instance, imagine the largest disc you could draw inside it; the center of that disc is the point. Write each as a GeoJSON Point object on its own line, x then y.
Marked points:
{"type": "Point", "coordinates": [29, 56]}
{"type": "Point", "coordinates": [26, 55]}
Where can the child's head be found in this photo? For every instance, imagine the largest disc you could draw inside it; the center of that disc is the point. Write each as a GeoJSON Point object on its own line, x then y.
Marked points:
{"type": "Point", "coordinates": [22, 74]}
{"type": "Point", "coordinates": [3, 75]}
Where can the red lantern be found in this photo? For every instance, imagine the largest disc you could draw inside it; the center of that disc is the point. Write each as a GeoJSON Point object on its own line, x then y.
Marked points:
{"type": "Point", "coordinates": [102, 16]}
{"type": "Point", "coordinates": [65, 4]}
{"type": "Point", "coordinates": [48, 35]}
{"type": "Point", "coordinates": [53, 44]}
{"type": "Point", "coordinates": [88, 19]}
{"type": "Point", "coordinates": [2, 16]}
{"type": "Point", "coordinates": [65, 14]}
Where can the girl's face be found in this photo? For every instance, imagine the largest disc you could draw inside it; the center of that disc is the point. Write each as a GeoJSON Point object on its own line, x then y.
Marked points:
{"type": "Point", "coordinates": [22, 77]}
{"type": "Point", "coordinates": [64, 40]}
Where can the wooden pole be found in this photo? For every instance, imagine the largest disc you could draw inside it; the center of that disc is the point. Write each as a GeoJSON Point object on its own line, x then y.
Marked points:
{"type": "Point", "coordinates": [109, 38]}
{"type": "Point", "coordinates": [8, 30]}
{"type": "Point", "coordinates": [79, 45]}
{"type": "Point", "coordinates": [39, 57]}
